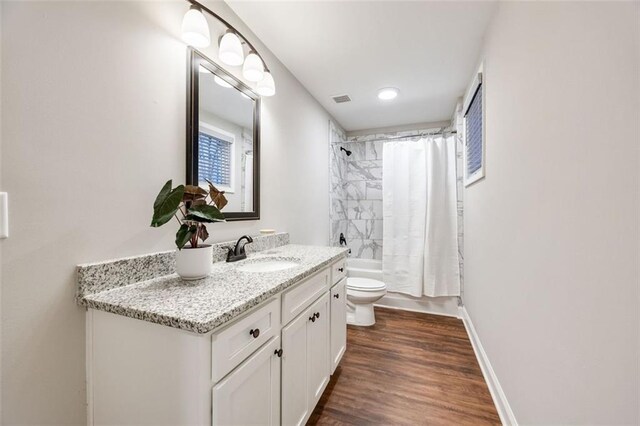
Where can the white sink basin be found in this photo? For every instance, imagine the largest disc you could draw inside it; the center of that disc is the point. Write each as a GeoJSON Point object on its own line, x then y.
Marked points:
{"type": "Point", "coordinates": [268, 265]}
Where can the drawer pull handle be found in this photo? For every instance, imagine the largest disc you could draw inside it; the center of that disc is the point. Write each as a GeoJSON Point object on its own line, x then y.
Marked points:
{"type": "Point", "coordinates": [341, 269]}
{"type": "Point", "coordinates": [312, 318]}
{"type": "Point", "coordinates": [337, 296]}
{"type": "Point", "coordinates": [278, 352]}
{"type": "Point", "coordinates": [255, 333]}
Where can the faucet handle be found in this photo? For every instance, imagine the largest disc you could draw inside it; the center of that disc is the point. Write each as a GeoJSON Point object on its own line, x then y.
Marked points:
{"type": "Point", "coordinates": [230, 253]}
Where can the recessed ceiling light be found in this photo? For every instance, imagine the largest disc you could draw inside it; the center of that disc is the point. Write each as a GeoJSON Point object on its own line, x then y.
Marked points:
{"type": "Point", "coordinates": [387, 93]}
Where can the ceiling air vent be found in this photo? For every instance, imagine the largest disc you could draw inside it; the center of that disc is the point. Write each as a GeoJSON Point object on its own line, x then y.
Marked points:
{"type": "Point", "coordinates": [340, 99]}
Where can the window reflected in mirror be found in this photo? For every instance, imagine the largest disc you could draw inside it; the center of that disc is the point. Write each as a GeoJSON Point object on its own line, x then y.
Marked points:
{"type": "Point", "coordinates": [222, 143]}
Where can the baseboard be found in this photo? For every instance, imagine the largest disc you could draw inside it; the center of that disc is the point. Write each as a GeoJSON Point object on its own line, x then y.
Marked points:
{"type": "Point", "coordinates": [499, 398]}
{"type": "Point", "coordinates": [447, 306]}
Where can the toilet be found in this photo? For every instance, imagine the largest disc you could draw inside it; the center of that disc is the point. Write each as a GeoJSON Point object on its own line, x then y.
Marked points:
{"type": "Point", "coordinates": [364, 288]}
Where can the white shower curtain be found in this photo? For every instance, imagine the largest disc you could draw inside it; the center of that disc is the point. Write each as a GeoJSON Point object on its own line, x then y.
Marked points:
{"type": "Point", "coordinates": [420, 245]}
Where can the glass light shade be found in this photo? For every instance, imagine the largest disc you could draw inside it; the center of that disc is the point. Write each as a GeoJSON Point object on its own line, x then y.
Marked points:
{"type": "Point", "coordinates": [253, 68]}
{"type": "Point", "coordinates": [230, 51]}
{"type": "Point", "coordinates": [221, 82]}
{"type": "Point", "coordinates": [195, 30]}
{"type": "Point", "coordinates": [266, 86]}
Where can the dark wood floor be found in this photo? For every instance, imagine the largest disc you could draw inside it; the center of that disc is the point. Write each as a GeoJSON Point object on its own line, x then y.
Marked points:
{"type": "Point", "coordinates": [409, 368]}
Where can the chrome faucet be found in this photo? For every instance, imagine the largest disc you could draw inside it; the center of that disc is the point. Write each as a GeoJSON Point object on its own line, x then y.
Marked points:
{"type": "Point", "coordinates": [238, 253]}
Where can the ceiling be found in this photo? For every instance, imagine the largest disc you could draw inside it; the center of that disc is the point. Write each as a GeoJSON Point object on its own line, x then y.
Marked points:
{"type": "Point", "coordinates": [427, 49]}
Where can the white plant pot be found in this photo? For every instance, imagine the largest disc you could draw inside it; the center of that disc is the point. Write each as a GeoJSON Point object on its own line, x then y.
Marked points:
{"type": "Point", "coordinates": [194, 263]}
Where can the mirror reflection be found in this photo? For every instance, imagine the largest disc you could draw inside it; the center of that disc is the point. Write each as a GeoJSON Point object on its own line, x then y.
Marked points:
{"type": "Point", "coordinates": [225, 140]}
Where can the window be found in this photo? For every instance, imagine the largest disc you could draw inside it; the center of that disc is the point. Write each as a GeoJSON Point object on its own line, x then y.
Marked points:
{"type": "Point", "coordinates": [214, 160]}
{"type": "Point", "coordinates": [474, 133]}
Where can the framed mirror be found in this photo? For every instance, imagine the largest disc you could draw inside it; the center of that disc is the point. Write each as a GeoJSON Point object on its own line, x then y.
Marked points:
{"type": "Point", "coordinates": [223, 136]}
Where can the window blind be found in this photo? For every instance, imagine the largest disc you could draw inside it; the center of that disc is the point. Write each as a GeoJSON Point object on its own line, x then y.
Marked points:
{"type": "Point", "coordinates": [214, 159]}
{"type": "Point", "coordinates": [473, 124]}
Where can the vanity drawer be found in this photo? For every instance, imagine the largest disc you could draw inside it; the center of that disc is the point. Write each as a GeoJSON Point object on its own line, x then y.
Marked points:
{"type": "Point", "coordinates": [338, 270]}
{"type": "Point", "coordinates": [232, 345]}
{"type": "Point", "coordinates": [301, 296]}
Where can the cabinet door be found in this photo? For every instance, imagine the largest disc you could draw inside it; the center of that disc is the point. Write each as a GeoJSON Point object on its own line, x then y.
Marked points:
{"type": "Point", "coordinates": [338, 323]}
{"type": "Point", "coordinates": [295, 404]}
{"type": "Point", "coordinates": [318, 361]}
{"type": "Point", "coordinates": [250, 394]}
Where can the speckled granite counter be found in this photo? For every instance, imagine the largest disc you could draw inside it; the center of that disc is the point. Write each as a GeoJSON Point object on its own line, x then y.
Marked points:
{"type": "Point", "coordinates": [203, 305]}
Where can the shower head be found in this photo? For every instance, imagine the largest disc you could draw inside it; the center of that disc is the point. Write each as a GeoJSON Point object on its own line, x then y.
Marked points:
{"type": "Point", "coordinates": [345, 150]}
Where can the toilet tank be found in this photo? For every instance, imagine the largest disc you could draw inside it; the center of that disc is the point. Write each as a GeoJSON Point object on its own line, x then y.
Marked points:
{"type": "Point", "coordinates": [365, 268]}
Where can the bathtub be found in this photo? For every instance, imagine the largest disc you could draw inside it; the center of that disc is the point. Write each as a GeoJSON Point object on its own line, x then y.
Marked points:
{"type": "Point", "coordinates": [364, 268]}
{"type": "Point", "coordinates": [367, 268]}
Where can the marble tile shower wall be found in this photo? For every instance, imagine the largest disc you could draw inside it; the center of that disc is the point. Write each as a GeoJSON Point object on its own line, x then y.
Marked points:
{"type": "Point", "coordinates": [337, 177]}
{"type": "Point", "coordinates": [363, 186]}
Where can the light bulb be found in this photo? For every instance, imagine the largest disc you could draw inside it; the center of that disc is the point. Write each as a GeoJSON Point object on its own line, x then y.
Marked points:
{"type": "Point", "coordinates": [266, 86]}
{"type": "Point", "coordinates": [195, 30]}
{"type": "Point", "coordinates": [253, 68]}
{"type": "Point", "coordinates": [230, 51]}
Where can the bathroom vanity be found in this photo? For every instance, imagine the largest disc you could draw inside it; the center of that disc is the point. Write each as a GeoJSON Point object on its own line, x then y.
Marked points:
{"type": "Point", "coordinates": [243, 346]}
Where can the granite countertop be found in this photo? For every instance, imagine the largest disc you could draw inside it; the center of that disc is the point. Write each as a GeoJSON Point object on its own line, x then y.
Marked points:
{"type": "Point", "coordinates": [203, 305]}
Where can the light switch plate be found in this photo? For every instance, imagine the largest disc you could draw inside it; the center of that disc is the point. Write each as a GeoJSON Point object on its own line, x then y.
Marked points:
{"type": "Point", "coordinates": [4, 215]}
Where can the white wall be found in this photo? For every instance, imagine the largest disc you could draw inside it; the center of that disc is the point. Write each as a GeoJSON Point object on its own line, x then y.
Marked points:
{"type": "Point", "coordinates": [551, 234]}
{"type": "Point", "coordinates": [93, 98]}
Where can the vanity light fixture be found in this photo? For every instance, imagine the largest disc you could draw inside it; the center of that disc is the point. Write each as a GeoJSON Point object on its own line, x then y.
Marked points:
{"type": "Point", "coordinates": [253, 68]}
{"type": "Point", "coordinates": [195, 32]}
{"type": "Point", "coordinates": [387, 93]}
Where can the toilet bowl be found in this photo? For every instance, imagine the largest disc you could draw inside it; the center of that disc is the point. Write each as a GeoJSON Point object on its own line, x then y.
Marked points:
{"type": "Point", "coordinates": [362, 293]}
{"type": "Point", "coordinates": [364, 288]}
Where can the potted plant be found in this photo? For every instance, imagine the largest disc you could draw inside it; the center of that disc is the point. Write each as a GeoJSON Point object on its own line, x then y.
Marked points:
{"type": "Point", "coordinates": [193, 207]}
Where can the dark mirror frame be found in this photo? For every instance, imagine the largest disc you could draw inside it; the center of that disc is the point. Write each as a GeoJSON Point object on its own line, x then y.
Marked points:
{"type": "Point", "coordinates": [197, 59]}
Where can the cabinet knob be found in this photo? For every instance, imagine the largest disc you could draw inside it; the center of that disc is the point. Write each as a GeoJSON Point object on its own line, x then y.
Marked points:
{"type": "Point", "coordinates": [255, 333]}
{"type": "Point", "coordinates": [337, 295]}
{"type": "Point", "coordinates": [341, 269]}
{"type": "Point", "coordinates": [317, 314]}
{"type": "Point", "coordinates": [278, 352]}
{"type": "Point", "coordinates": [312, 318]}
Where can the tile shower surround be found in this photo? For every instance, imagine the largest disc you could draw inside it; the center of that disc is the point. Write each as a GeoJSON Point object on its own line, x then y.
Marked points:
{"type": "Point", "coordinates": [356, 191]}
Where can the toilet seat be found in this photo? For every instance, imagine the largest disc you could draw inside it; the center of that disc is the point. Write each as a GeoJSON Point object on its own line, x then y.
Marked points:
{"type": "Point", "coordinates": [365, 284]}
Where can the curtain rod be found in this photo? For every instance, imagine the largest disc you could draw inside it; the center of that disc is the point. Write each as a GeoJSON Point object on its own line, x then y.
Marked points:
{"type": "Point", "coordinates": [391, 138]}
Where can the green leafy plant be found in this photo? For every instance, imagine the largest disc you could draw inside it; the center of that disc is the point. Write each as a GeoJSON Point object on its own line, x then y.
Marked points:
{"type": "Point", "coordinates": [193, 207]}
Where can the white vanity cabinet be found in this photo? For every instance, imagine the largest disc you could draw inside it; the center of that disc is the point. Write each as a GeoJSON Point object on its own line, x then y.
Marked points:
{"type": "Point", "coordinates": [338, 331]}
{"type": "Point", "coordinates": [250, 395]}
{"type": "Point", "coordinates": [269, 366]}
{"type": "Point", "coordinates": [305, 362]}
